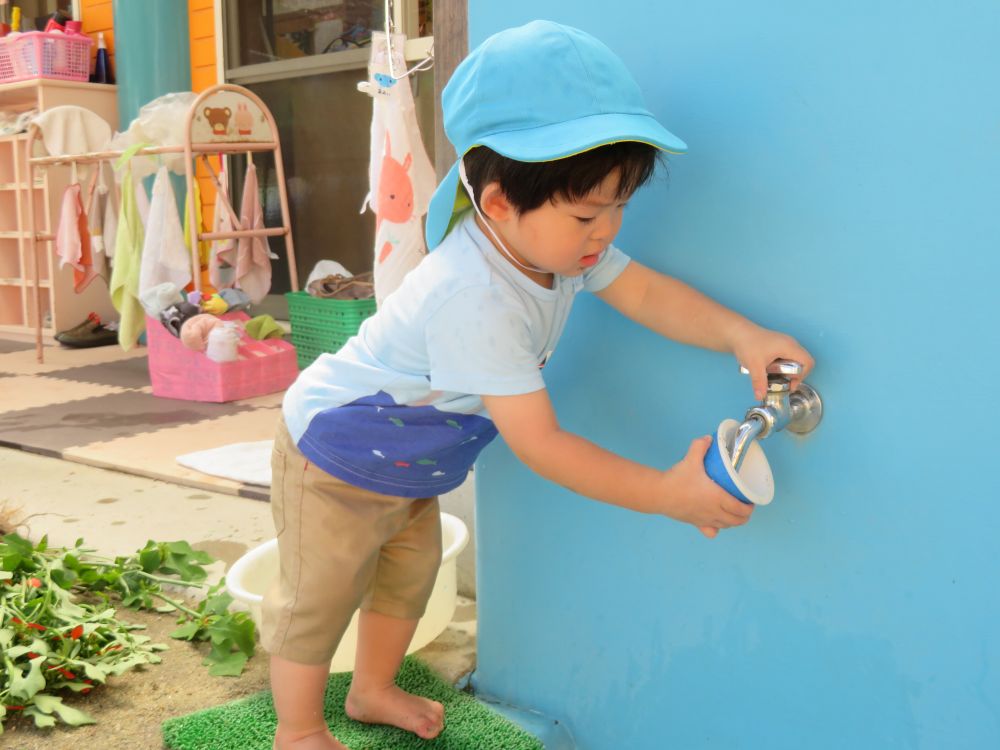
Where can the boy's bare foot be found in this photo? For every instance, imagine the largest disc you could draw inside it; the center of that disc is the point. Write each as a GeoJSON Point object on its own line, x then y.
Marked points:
{"type": "Point", "coordinates": [394, 706]}
{"type": "Point", "coordinates": [321, 739]}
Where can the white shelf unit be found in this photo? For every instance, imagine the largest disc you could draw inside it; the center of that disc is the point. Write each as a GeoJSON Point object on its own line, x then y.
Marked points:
{"type": "Point", "coordinates": [62, 308]}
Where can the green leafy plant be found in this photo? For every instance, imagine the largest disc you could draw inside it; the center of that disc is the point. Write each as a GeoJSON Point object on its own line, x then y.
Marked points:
{"type": "Point", "coordinates": [58, 631]}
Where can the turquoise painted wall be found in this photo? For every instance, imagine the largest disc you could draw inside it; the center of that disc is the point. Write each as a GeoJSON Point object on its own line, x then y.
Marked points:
{"type": "Point", "coordinates": [843, 184]}
{"type": "Point", "coordinates": [152, 52]}
{"type": "Point", "coordinates": [152, 58]}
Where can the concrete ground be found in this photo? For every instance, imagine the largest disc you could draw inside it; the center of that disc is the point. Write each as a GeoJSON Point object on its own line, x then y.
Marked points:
{"type": "Point", "coordinates": [117, 513]}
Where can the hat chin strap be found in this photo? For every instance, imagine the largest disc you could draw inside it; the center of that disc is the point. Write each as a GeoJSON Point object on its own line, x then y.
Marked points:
{"type": "Point", "coordinates": [475, 204]}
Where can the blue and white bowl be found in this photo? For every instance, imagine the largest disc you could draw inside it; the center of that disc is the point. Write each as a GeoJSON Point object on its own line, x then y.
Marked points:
{"type": "Point", "coordinates": [754, 482]}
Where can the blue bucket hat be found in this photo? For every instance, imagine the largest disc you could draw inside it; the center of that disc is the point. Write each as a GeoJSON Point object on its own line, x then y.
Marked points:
{"type": "Point", "coordinates": [538, 92]}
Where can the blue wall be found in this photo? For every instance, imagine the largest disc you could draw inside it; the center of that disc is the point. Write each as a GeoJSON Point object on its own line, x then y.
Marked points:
{"type": "Point", "coordinates": [843, 184]}
{"type": "Point", "coordinates": [152, 52]}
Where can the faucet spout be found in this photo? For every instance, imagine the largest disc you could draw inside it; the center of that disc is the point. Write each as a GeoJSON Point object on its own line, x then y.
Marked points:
{"type": "Point", "coordinates": [800, 410]}
{"type": "Point", "coordinates": [751, 428]}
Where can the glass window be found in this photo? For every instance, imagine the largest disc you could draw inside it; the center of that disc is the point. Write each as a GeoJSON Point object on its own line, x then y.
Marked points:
{"type": "Point", "coordinates": [324, 126]}
{"type": "Point", "coordinates": [425, 20]}
{"type": "Point", "coordinates": [304, 58]}
{"type": "Point", "coordinates": [36, 13]}
{"type": "Point", "coordinates": [270, 30]}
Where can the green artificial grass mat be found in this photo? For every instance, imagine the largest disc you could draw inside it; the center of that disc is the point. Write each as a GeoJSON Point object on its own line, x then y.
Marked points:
{"type": "Point", "coordinates": [249, 723]}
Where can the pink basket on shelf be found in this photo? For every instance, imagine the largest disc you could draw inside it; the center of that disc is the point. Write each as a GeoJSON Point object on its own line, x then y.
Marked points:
{"type": "Point", "coordinates": [37, 54]}
{"type": "Point", "coordinates": [6, 64]}
{"type": "Point", "coordinates": [177, 372]}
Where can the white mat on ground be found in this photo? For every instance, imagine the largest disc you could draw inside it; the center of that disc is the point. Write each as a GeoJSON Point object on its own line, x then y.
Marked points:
{"type": "Point", "coordinates": [249, 463]}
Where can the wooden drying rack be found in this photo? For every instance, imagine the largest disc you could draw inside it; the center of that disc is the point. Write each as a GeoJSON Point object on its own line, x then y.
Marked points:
{"type": "Point", "coordinates": [202, 120]}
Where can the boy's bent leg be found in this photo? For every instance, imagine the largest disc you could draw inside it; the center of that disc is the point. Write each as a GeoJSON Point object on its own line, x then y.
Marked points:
{"type": "Point", "coordinates": [298, 691]}
{"type": "Point", "coordinates": [404, 577]}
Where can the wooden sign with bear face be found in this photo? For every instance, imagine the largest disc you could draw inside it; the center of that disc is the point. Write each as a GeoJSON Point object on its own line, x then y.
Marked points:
{"type": "Point", "coordinates": [229, 117]}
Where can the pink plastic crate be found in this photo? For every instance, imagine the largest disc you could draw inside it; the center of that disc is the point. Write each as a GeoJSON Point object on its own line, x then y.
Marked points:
{"type": "Point", "coordinates": [263, 367]}
{"type": "Point", "coordinates": [37, 54]}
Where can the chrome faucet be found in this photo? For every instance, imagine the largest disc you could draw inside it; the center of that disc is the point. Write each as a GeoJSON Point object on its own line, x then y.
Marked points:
{"type": "Point", "coordinates": [799, 410]}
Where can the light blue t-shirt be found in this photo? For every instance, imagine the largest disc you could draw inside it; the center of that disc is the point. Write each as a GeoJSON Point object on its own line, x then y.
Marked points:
{"type": "Point", "coordinates": [398, 410]}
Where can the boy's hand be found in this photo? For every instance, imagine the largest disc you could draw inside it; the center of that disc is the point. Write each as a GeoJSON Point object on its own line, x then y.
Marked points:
{"type": "Point", "coordinates": [696, 499]}
{"type": "Point", "coordinates": [756, 347]}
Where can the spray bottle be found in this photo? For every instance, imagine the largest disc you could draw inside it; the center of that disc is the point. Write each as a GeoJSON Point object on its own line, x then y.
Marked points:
{"type": "Point", "coordinates": [102, 64]}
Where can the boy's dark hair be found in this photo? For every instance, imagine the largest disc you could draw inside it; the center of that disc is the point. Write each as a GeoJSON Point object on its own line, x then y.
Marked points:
{"type": "Point", "coordinates": [527, 185]}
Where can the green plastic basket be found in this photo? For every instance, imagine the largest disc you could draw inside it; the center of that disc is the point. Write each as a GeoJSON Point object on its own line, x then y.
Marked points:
{"type": "Point", "coordinates": [324, 325]}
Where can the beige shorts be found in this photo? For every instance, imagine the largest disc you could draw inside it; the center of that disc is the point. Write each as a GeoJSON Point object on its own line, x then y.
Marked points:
{"type": "Point", "coordinates": [341, 547]}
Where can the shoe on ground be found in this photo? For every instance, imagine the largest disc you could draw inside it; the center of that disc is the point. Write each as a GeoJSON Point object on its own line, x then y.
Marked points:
{"type": "Point", "coordinates": [88, 334]}
{"type": "Point", "coordinates": [92, 321]}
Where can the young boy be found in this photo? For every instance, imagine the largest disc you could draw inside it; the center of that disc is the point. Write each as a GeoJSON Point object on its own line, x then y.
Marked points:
{"type": "Point", "coordinates": [553, 139]}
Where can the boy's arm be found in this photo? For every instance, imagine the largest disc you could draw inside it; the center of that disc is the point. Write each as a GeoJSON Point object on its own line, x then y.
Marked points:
{"type": "Point", "coordinates": [529, 426]}
{"type": "Point", "coordinates": [679, 312]}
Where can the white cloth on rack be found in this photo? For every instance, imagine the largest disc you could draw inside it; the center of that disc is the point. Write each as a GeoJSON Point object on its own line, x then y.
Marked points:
{"type": "Point", "coordinates": [160, 122]}
{"type": "Point", "coordinates": [73, 130]}
{"type": "Point", "coordinates": [164, 255]}
{"type": "Point", "coordinates": [400, 174]}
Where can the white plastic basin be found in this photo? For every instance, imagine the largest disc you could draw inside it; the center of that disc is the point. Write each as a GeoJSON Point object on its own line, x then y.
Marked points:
{"type": "Point", "coordinates": [251, 575]}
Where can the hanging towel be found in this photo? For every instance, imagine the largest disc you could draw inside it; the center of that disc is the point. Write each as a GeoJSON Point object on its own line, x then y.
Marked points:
{"type": "Point", "coordinates": [73, 130]}
{"type": "Point", "coordinates": [111, 222]}
{"type": "Point", "coordinates": [222, 256]}
{"type": "Point", "coordinates": [100, 214]}
{"type": "Point", "coordinates": [400, 174]}
{"type": "Point", "coordinates": [73, 240]}
{"type": "Point", "coordinates": [204, 246]}
{"type": "Point", "coordinates": [141, 201]}
{"type": "Point", "coordinates": [95, 209]}
{"type": "Point", "coordinates": [128, 257]}
{"type": "Point", "coordinates": [68, 232]}
{"type": "Point", "coordinates": [165, 257]}
{"type": "Point", "coordinates": [253, 260]}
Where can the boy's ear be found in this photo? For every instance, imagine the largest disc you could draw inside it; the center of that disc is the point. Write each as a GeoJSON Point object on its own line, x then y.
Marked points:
{"type": "Point", "coordinates": [495, 204]}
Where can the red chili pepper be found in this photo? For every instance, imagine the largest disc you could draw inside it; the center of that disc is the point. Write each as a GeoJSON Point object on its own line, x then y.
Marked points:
{"type": "Point", "coordinates": [85, 691]}
{"type": "Point", "coordinates": [89, 682]}
{"type": "Point", "coordinates": [32, 655]}
{"type": "Point", "coordinates": [34, 582]}
{"type": "Point", "coordinates": [14, 708]}
{"type": "Point", "coordinates": [66, 673]}
{"type": "Point", "coordinates": [30, 625]}
{"type": "Point", "coordinates": [76, 632]}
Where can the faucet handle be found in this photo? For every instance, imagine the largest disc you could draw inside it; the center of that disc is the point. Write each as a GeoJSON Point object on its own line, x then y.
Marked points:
{"type": "Point", "coordinates": [779, 373]}
{"type": "Point", "coordinates": [782, 367]}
